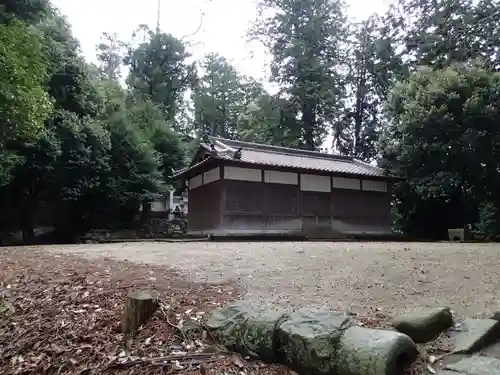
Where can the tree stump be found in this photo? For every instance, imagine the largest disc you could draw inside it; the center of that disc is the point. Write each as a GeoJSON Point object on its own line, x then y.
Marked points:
{"type": "Point", "coordinates": [140, 306]}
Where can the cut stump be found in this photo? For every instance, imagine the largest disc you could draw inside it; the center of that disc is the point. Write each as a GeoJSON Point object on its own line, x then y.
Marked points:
{"type": "Point", "coordinates": [139, 307]}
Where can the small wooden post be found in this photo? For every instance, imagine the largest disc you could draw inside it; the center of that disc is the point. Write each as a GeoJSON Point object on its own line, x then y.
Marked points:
{"type": "Point", "coordinates": [139, 307]}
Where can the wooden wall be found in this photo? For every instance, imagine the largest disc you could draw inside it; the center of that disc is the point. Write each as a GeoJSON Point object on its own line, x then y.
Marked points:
{"type": "Point", "coordinates": [205, 200]}
{"type": "Point", "coordinates": [246, 200]}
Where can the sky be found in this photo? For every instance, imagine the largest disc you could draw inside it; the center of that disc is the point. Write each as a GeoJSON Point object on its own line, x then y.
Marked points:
{"type": "Point", "coordinates": [224, 25]}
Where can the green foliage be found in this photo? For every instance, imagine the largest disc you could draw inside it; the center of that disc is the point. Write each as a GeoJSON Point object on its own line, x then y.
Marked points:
{"type": "Point", "coordinates": [271, 120]}
{"type": "Point", "coordinates": [28, 11]}
{"type": "Point", "coordinates": [304, 39]}
{"type": "Point", "coordinates": [83, 159]}
{"type": "Point", "coordinates": [144, 115]}
{"type": "Point", "coordinates": [373, 67]}
{"type": "Point", "coordinates": [60, 46]}
{"type": "Point", "coordinates": [134, 165]}
{"type": "Point", "coordinates": [24, 105]}
{"type": "Point", "coordinates": [79, 149]}
{"type": "Point", "coordinates": [101, 152]}
{"type": "Point", "coordinates": [110, 53]}
{"type": "Point", "coordinates": [159, 71]}
{"type": "Point", "coordinates": [488, 225]}
{"type": "Point", "coordinates": [444, 138]}
{"type": "Point", "coordinates": [220, 97]}
{"type": "Point", "coordinates": [440, 33]}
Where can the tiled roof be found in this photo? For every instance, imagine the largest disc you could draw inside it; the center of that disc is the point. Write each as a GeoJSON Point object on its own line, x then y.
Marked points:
{"type": "Point", "coordinates": [253, 153]}
{"type": "Point", "coordinates": [178, 172]}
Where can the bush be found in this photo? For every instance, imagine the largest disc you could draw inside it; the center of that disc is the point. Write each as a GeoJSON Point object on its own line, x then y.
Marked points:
{"type": "Point", "coordinates": [488, 226]}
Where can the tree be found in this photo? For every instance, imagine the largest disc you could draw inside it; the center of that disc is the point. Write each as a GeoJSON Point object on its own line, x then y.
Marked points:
{"type": "Point", "coordinates": [110, 53]}
{"type": "Point", "coordinates": [304, 38]}
{"type": "Point", "coordinates": [144, 115]}
{"type": "Point", "coordinates": [76, 181]}
{"type": "Point", "coordinates": [220, 96]}
{"type": "Point", "coordinates": [61, 48]}
{"type": "Point", "coordinates": [135, 174]}
{"type": "Point", "coordinates": [445, 140]}
{"type": "Point", "coordinates": [372, 68]}
{"type": "Point", "coordinates": [27, 11]}
{"type": "Point", "coordinates": [269, 120]}
{"type": "Point", "coordinates": [88, 152]}
{"type": "Point", "coordinates": [440, 33]}
{"type": "Point", "coordinates": [24, 105]}
{"type": "Point", "coordinates": [159, 72]}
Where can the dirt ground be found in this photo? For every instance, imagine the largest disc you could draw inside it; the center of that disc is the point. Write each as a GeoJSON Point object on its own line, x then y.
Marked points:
{"type": "Point", "coordinates": [391, 277]}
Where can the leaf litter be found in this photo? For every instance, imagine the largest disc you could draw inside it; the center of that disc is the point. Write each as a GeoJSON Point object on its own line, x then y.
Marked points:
{"type": "Point", "coordinates": [60, 314]}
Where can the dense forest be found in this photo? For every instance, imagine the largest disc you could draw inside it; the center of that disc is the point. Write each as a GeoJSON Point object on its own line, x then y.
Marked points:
{"type": "Point", "coordinates": [416, 90]}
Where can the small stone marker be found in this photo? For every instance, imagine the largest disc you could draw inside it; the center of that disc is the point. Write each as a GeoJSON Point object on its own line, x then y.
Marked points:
{"type": "Point", "coordinates": [424, 325]}
{"type": "Point", "coordinates": [139, 307]}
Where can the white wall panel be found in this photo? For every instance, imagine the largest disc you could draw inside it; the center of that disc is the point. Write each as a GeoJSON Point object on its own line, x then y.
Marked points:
{"type": "Point", "coordinates": [346, 183]}
{"type": "Point", "coordinates": [310, 182]}
{"type": "Point", "coordinates": [242, 174]}
{"type": "Point", "coordinates": [158, 206]}
{"type": "Point", "coordinates": [277, 177]}
{"type": "Point", "coordinates": [195, 182]}
{"type": "Point", "coordinates": [369, 185]}
{"type": "Point", "coordinates": [211, 175]}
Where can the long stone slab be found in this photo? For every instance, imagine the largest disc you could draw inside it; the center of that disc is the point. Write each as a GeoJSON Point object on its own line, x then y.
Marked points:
{"type": "Point", "coordinates": [475, 335]}
{"type": "Point", "coordinates": [315, 342]}
{"type": "Point", "coordinates": [475, 365]}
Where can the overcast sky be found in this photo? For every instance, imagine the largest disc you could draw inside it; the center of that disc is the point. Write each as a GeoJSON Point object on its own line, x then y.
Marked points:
{"type": "Point", "coordinates": [223, 28]}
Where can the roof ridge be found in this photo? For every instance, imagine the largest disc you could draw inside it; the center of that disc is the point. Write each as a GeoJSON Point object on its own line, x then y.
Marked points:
{"type": "Point", "coordinates": [285, 150]}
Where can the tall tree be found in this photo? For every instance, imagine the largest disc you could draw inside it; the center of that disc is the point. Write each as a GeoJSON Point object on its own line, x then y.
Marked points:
{"type": "Point", "coordinates": [220, 96]}
{"type": "Point", "coordinates": [28, 11]}
{"type": "Point", "coordinates": [443, 32]}
{"type": "Point", "coordinates": [304, 38]}
{"type": "Point", "coordinates": [110, 54]}
{"type": "Point", "coordinates": [269, 120]}
{"type": "Point", "coordinates": [160, 72]}
{"type": "Point", "coordinates": [372, 68]}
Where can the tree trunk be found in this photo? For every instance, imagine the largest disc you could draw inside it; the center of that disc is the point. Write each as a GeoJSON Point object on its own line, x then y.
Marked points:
{"type": "Point", "coordinates": [139, 307]}
{"type": "Point", "coordinates": [309, 124]}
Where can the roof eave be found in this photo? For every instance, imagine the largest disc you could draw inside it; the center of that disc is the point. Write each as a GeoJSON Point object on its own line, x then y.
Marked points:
{"type": "Point", "coordinates": [191, 170]}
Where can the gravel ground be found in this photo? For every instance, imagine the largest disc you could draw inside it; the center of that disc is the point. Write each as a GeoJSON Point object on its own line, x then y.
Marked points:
{"type": "Point", "coordinates": [391, 277]}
